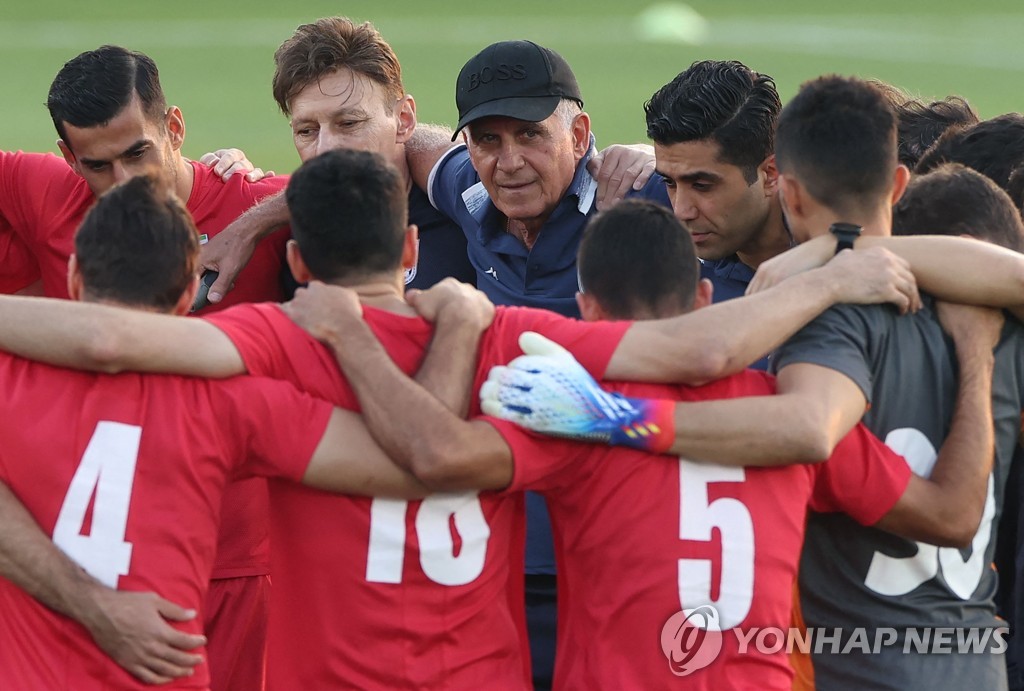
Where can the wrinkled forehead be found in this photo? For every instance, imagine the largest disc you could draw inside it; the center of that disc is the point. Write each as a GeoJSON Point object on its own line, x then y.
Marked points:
{"type": "Point", "coordinates": [341, 90]}
{"type": "Point", "coordinates": [503, 123]}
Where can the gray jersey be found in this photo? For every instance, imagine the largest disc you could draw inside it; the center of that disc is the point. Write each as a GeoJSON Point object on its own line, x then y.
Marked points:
{"type": "Point", "coordinates": [852, 576]}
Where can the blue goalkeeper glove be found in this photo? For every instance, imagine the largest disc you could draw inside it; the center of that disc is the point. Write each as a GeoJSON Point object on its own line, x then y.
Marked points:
{"type": "Point", "coordinates": [548, 391]}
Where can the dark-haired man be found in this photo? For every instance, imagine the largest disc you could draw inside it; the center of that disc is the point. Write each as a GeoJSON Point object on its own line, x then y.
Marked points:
{"type": "Point", "coordinates": [125, 473]}
{"type": "Point", "coordinates": [921, 124]}
{"type": "Point", "coordinates": [837, 154]}
{"type": "Point", "coordinates": [114, 123]}
{"type": "Point", "coordinates": [635, 531]}
{"type": "Point", "coordinates": [992, 147]}
{"type": "Point", "coordinates": [386, 579]}
{"type": "Point", "coordinates": [127, 130]}
{"type": "Point", "coordinates": [713, 128]}
{"type": "Point", "coordinates": [955, 200]}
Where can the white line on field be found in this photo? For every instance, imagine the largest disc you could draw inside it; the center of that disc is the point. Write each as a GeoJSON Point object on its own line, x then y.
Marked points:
{"type": "Point", "coordinates": [990, 41]}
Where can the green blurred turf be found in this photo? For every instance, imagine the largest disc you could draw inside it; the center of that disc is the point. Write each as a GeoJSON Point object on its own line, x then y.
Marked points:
{"type": "Point", "coordinates": [216, 57]}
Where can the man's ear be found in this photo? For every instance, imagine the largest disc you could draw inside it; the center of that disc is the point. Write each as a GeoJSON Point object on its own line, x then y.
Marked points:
{"type": "Point", "coordinates": [411, 247]}
{"type": "Point", "coordinates": [69, 156]}
{"type": "Point", "coordinates": [590, 309]}
{"type": "Point", "coordinates": [296, 263]}
{"type": "Point", "coordinates": [900, 180]}
{"type": "Point", "coordinates": [792, 194]}
{"type": "Point", "coordinates": [188, 297]}
{"type": "Point", "coordinates": [580, 131]}
{"type": "Point", "coordinates": [705, 294]}
{"type": "Point", "coordinates": [406, 116]}
{"type": "Point", "coordinates": [175, 127]}
{"type": "Point", "coordinates": [75, 283]}
{"type": "Point", "coordinates": [771, 175]}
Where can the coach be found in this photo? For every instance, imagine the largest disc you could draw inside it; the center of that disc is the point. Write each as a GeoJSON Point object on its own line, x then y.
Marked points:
{"type": "Point", "coordinates": [521, 192]}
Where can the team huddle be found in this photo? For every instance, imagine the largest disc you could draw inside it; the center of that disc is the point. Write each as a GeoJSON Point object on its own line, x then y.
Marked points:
{"type": "Point", "coordinates": [512, 412]}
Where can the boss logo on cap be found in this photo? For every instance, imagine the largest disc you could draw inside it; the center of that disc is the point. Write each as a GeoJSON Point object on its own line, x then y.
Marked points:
{"type": "Point", "coordinates": [500, 72]}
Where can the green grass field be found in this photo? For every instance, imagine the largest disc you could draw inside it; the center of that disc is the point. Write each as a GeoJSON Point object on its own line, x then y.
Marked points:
{"type": "Point", "coordinates": [216, 57]}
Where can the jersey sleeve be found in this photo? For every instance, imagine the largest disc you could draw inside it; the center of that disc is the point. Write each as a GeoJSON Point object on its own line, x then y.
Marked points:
{"type": "Point", "coordinates": [592, 343]}
{"type": "Point", "coordinates": [539, 462]}
{"type": "Point", "coordinates": [449, 178]}
{"type": "Point", "coordinates": [863, 478]}
{"type": "Point", "coordinates": [253, 328]}
{"type": "Point", "coordinates": [27, 185]}
{"type": "Point", "coordinates": [839, 339]}
{"type": "Point", "coordinates": [278, 427]}
{"type": "Point", "coordinates": [18, 268]}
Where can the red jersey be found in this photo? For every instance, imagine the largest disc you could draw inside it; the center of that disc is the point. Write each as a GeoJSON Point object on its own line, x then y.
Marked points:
{"type": "Point", "coordinates": [17, 266]}
{"type": "Point", "coordinates": [43, 201]}
{"type": "Point", "coordinates": [381, 593]}
{"type": "Point", "coordinates": [125, 473]}
{"type": "Point", "coordinates": [641, 537]}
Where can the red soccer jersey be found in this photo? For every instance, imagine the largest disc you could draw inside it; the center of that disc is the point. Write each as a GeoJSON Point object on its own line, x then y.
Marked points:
{"type": "Point", "coordinates": [379, 593]}
{"type": "Point", "coordinates": [43, 201]}
{"type": "Point", "coordinates": [126, 472]}
{"type": "Point", "coordinates": [17, 266]}
{"type": "Point", "coordinates": [641, 537]}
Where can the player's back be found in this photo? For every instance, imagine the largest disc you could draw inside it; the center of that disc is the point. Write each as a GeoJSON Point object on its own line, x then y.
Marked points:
{"type": "Point", "coordinates": [852, 576]}
{"type": "Point", "coordinates": [378, 593]}
{"type": "Point", "coordinates": [641, 537]}
{"type": "Point", "coordinates": [126, 473]}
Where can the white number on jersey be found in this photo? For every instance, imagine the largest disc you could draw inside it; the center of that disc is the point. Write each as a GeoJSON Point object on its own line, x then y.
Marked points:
{"type": "Point", "coordinates": [899, 575]}
{"type": "Point", "coordinates": [107, 471]}
{"type": "Point", "coordinates": [697, 518]}
{"type": "Point", "coordinates": [434, 520]}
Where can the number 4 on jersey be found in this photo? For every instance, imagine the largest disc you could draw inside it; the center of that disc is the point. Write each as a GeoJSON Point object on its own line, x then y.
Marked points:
{"type": "Point", "coordinates": [104, 477]}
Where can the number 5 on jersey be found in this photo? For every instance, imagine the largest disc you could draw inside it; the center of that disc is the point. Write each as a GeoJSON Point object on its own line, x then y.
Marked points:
{"type": "Point", "coordinates": [698, 517]}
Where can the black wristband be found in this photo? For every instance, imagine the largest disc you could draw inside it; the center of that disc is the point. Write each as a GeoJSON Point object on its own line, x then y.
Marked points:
{"type": "Point", "coordinates": [846, 234]}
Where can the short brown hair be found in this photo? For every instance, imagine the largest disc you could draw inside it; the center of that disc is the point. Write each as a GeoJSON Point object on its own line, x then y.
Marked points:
{"type": "Point", "coordinates": [329, 44]}
{"type": "Point", "coordinates": [137, 246]}
{"type": "Point", "coordinates": [956, 200]}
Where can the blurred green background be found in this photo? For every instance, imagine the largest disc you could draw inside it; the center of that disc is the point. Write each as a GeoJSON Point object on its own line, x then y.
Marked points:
{"type": "Point", "coordinates": [216, 58]}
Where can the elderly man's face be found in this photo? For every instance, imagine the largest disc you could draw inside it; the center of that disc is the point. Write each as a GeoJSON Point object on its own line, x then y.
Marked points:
{"type": "Point", "coordinates": [526, 167]}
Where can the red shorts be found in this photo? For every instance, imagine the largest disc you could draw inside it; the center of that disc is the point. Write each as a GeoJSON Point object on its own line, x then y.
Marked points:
{"type": "Point", "coordinates": [236, 628]}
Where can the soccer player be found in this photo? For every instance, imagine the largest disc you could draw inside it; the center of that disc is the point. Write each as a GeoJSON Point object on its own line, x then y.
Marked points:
{"type": "Point", "coordinates": [836, 149]}
{"type": "Point", "coordinates": [428, 613]}
{"type": "Point", "coordinates": [635, 531]}
{"type": "Point", "coordinates": [113, 121]}
{"type": "Point", "coordinates": [126, 473]}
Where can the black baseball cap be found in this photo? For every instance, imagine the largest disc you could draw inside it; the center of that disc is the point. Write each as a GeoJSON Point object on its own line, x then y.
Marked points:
{"type": "Point", "coordinates": [516, 79]}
